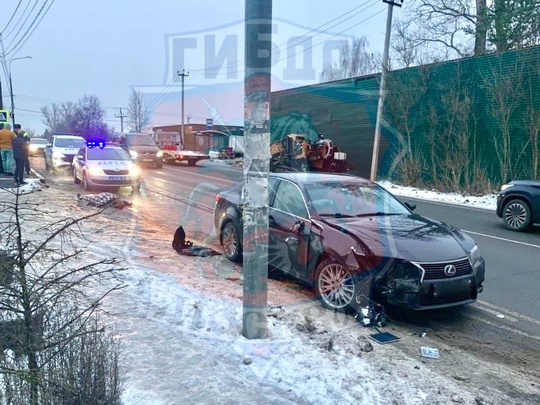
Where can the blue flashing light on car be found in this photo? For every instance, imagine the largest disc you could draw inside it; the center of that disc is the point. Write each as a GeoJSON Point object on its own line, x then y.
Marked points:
{"type": "Point", "coordinates": [95, 143]}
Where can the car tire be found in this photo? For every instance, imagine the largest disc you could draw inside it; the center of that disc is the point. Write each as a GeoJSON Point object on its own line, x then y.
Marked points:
{"type": "Point", "coordinates": [75, 178]}
{"type": "Point", "coordinates": [85, 183]}
{"type": "Point", "coordinates": [159, 165]}
{"type": "Point", "coordinates": [516, 215]}
{"type": "Point", "coordinates": [230, 241]}
{"type": "Point", "coordinates": [192, 162]}
{"type": "Point", "coordinates": [328, 276]}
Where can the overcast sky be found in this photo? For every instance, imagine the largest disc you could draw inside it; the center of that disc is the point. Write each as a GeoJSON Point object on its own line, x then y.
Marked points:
{"type": "Point", "coordinates": [107, 48]}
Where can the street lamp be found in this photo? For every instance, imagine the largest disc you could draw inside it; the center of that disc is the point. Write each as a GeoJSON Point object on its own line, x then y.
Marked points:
{"type": "Point", "coordinates": [11, 88]}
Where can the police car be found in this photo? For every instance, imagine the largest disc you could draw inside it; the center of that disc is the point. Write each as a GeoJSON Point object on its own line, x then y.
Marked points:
{"type": "Point", "coordinates": [101, 165]}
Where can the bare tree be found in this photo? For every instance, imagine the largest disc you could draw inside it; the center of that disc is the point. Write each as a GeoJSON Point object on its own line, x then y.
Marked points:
{"type": "Point", "coordinates": [447, 25]}
{"type": "Point", "coordinates": [49, 309]}
{"type": "Point", "coordinates": [505, 92]}
{"type": "Point", "coordinates": [89, 118]}
{"type": "Point", "coordinates": [405, 91]}
{"type": "Point", "coordinates": [354, 60]}
{"type": "Point", "coordinates": [138, 114]}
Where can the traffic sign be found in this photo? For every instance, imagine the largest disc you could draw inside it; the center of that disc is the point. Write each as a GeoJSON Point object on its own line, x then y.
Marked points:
{"type": "Point", "coordinates": [209, 123]}
{"type": "Point", "coordinates": [4, 116]}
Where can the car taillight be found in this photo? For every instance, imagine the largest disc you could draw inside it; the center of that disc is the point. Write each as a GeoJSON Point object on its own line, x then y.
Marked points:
{"type": "Point", "coordinates": [218, 198]}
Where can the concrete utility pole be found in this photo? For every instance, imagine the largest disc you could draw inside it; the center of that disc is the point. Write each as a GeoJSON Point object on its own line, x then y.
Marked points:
{"type": "Point", "coordinates": [121, 116]}
{"type": "Point", "coordinates": [382, 89]}
{"type": "Point", "coordinates": [258, 58]}
{"type": "Point", "coordinates": [184, 75]}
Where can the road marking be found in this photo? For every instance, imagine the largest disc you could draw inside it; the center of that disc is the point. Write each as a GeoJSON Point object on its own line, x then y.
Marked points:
{"type": "Point", "coordinates": [502, 239]}
{"type": "Point", "coordinates": [509, 315]}
{"type": "Point", "coordinates": [500, 326]}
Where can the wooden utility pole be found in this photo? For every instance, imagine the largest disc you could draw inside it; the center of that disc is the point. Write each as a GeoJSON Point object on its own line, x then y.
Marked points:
{"type": "Point", "coordinates": [258, 57]}
{"type": "Point", "coordinates": [121, 116]}
{"type": "Point", "coordinates": [183, 75]}
{"type": "Point", "coordinates": [382, 90]}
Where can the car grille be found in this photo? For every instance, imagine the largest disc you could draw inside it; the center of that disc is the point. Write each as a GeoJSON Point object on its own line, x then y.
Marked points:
{"type": "Point", "coordinates": [116, 172]}
{"type": "Point", "coordinates": [433, 271]}
{"type": "Point", "coordinates": [426, 300]}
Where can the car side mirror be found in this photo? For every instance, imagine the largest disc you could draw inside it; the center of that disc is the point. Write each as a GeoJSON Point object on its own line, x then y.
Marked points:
{"type": "Point", "coordinates": [79, 157]}
{"type": "Point", "coordinates": [410, 206]}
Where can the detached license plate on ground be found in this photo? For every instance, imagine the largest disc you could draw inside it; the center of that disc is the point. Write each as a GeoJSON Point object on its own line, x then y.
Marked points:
{"type": "Point", "coordinates": [116, 178]}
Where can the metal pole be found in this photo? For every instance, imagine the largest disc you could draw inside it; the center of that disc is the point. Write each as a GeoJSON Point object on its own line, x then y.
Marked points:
{"type": "Point", "coordinates": [12, 114]}
{"type": "Point", "coordinates": [258, 57]}
{"type": "Point", "coordinates": [183, 74]}
{"type": "Point", "coordinates": [382, 92]}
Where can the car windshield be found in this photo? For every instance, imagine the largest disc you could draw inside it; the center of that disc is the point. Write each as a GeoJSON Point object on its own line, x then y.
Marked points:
{"type": "Point", "coordinates": [342, 199]}
{"type": "Point", "coordinates": [139, 140]}
{"type": "Point", "coordinates": [69, 142]}
{"type": "Point", "coordinates": [107, 154]}
{"type": "Point", "coordinates": [38, 141]}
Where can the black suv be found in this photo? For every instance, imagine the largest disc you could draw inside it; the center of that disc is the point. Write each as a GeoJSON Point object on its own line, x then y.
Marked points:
{"type": "Point", "coordinates": [518, 204]}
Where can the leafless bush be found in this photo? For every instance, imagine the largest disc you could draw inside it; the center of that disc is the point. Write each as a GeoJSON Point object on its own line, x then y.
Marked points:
{"type": "Point", "coordinates": [54, 347]}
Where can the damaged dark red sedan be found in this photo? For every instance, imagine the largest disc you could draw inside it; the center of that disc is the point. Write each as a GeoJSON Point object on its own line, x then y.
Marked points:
{"type": "Point", "coordinates": [356, 244]}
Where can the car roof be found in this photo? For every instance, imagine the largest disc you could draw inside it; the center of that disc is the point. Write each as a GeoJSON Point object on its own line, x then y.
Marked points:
{"type": "Point", "coordinates": [107, 146]}
{"type": "Point", "coordinates": [302, 177]}
{"type": "Point", "coordinates": [68, 136]}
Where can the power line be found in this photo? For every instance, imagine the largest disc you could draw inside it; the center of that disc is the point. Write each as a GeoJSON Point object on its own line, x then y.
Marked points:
{"type": "Point", "coordinates": [165, 93]}
{"type": "Point", "coordinates": [32, 27]}
{"type": "Point", "coordinates": [12, 16]}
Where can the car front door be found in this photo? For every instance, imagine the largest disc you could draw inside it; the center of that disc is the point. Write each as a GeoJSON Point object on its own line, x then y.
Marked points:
{"type": "Point", "coordinates": [290, 229]}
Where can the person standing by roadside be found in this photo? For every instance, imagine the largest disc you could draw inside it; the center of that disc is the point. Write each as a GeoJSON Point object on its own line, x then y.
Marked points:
{"type": "Point", "coordinates": [17, 128]}
{"type": "Point", "coordinates": [1, 163]}
{"type": "Point", "coordinates": [6, 146]}
{"type": "Point", "coordinates": [20, 155]}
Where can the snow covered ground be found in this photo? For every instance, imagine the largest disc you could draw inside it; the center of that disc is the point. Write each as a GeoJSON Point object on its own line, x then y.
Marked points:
{"type": "Point", "coordinates": [180, 321]}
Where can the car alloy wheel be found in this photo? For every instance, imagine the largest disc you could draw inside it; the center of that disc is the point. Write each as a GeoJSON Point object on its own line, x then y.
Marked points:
{"type": "Point", "coordinates": [335, 285]}
{"type": "Point", "coordinates": [516, 215]}
{"type": "Point", "coordinates": [231, 242]}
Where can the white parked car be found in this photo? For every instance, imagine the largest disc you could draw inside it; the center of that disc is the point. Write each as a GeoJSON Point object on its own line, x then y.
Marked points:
{"type": "Point", "coordinates": [98, 165]}
{"type": "Point", "coordinates": [61, 150]}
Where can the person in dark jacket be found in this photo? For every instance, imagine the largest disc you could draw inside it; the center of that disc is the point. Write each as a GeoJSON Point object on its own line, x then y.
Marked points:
{"type": "Point", "coordinates": [20, 155]}
{"type": "Point", "coordinates": [17, 128]}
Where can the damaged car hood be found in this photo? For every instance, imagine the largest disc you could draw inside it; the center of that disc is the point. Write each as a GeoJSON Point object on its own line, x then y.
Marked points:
{"type": "Point", "coordinates": [410, 237]}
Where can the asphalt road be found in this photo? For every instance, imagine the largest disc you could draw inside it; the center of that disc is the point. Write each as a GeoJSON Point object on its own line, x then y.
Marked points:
{"type": "Point", "coordinates": [503, 326]}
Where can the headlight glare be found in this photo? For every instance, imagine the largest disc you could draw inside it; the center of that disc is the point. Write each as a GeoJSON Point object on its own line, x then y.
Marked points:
{"type": "Point", "coordinates": [134, 171]}
{"type": "Point", "coordinates": [57, 155]}
{"type": "Point", "coordinates": [134, 155]}
{"type": "Point", "coordinates": [95, 171]}
{"type": "Point", "coordinates": [159, 154]}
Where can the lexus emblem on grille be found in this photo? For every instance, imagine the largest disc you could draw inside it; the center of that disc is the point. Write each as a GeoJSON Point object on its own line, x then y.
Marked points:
{"type": "Point", "coordinates": [450, 270]}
